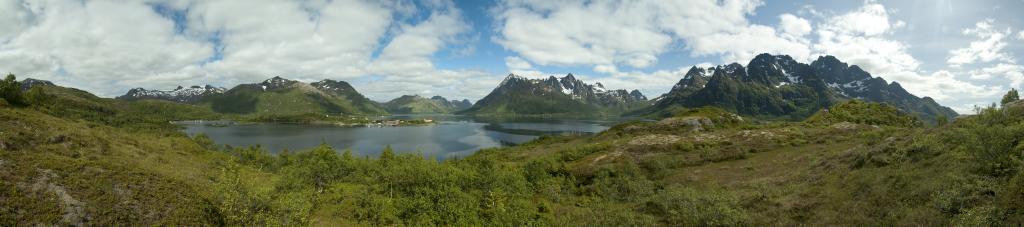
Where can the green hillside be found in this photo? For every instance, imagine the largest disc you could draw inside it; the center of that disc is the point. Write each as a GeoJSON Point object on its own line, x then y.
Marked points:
{"type": "Point", "coordinates": [699, 167]}
{"type": "Point", "coordinates": [287, 97]}
{"type": "Point", "coordinates": [415, 104]}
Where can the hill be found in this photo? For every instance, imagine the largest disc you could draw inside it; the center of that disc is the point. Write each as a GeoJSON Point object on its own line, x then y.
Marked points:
{"type": "Point", "coordinates": [700, 167]}
{"type": "Point", "coordinates": [778, 87]}
{"type": "Point", "coordinates": [564, 96]}
{"type": "Point", "coordinates": [415, 104]}
{"type": "Point", "coordinates": [279, 96]}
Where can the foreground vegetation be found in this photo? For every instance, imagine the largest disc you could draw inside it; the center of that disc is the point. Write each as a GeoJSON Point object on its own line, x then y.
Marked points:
{"type": "Point", "coordinates": [71, 158]}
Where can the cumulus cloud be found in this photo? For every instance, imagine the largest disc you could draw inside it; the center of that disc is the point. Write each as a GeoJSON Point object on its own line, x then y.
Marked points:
{"type": "Point", "coordinates": [334, 39]}
{"type": "Point", "coordinates": [107, 47]}
{"type": "Point", "coordinates": [859, 37]}
{"type": "Point", "coordinates": [794, 26]}
{"type": "Point", "coordinates": [1011, 72]}
{"type": "Point", "coordinates": [572, 33]}
{"type": "Point", "coordinates": [989, 46]}
{"type": "Point", "coordinates": [610, 34]}
{"type": "Point", "coordinates": [98, 45]}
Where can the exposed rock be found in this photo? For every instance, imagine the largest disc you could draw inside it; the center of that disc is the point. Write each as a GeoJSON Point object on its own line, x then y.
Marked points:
{"type": "Point", "coordinates": [58, 139]}
{"type": "Point", "coordinates": [748, 134]}
{"type": "Point", "coordinates": [706, 137]}
{"type": "Point", "coordinates": [651, 140]}
{"type": "Point", "coordinates": [844, 125]}
{"type": "Point", "coordinates": [74, 210]}
{"type": "Point", "coordinates": [694, 123]}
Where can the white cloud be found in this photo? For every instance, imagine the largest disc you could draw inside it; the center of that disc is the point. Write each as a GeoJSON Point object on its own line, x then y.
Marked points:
{"type": "Point", "coordinates": [107, 47]}
{"type": "Point", "coordinates": [794, 26]}
{"type": "Point", "coordinates": [1020, 35]}
{"type": "Point", "coordinates": [294, 39]}
{"type": "Point", "coordinates": [1011, 72]}
{"type": "Point", "coordinates": [14, 17]}
{"type": "Point", "coordinates": [98, 45]}
{"type": "Point", "coordinates": [859, 38]}
{"type": "Point", "coordinates": [988, 47]}
{"type": "Point", "coordinates": [573, 33]}
{"type": "Point", "coordinates": [410, 51]}
{"type": "Point", "coordinates": [609, 34]}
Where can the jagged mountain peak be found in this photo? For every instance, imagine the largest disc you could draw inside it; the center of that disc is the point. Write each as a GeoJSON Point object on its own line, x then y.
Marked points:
{"type": "Point", "coordinates": [276, 82]}
{"type": "Point", "coordinates": [519, 95]}
{"type": "Point", "coordinates": [779, 85]}
{"type": "Point", "coordinates": [28, 83]}
{"type": "Point", "coordinates": [179, 94]}
{"type": "Point", "coordinates": [569, 77]}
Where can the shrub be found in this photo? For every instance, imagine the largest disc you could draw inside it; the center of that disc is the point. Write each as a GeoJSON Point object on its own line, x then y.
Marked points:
{"type": "Point", "coordinates": [1010, 96]}
{"type": "Point", "coordinates": [864, 113]}
{"type": "Point", "coordinates": [689, 207]}
{"type": "Point", "coordinates": [10, 90]}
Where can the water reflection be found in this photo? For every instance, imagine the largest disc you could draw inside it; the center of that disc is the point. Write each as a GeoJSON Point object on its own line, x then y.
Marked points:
{"type": "Point", "coordinates": [451, 136]}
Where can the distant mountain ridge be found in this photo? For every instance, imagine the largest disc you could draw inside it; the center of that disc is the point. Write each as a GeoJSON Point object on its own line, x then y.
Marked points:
{"type": "Point", "coordinates": [181, 94]}
{"type": "Point", "coordinates": [274, 96]}
{"type": "Point", "coordinates": [415, 104]}
{"type": "Point", "coordinates": [517, 95]}
{"type": "Point", "coordinates": [777, 85]}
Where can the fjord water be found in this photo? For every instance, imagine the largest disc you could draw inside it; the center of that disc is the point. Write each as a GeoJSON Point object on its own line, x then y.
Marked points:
{"type": "Point", "coordinates": [451, 136]}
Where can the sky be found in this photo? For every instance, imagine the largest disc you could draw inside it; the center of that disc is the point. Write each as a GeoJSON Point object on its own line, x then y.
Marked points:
{"type": "Point", "coordinates": [961, 53]}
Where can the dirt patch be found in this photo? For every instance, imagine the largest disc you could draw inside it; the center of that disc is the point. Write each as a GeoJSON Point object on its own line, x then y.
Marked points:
{"type": "Point", "coordinates": [707, 138]}
{"type": "Point", "coordinates": [653, 140]}
{"type": "Point", "coordinates": [844, 126]}
{"type": "Point", "coordinates": [693, 123]}
{"type": "Point", "coordinates": [74, 210]}
{"type": "Point", "coordinates": [752, 134]}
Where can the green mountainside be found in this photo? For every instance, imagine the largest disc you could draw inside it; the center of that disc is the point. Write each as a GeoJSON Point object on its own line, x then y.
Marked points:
{"type": "Point", "coordinates": [279, 96]}
{"type": "Point", "coordinates": [415, 104]}
{"type": "Point", "coordinates": [70, 158]}
{"type": "Point", "coordinates": [778, 87]}
{"type": "Point", "coordinates": [564, 96]}
{"type": "Point", "coordinates": [273, 97]}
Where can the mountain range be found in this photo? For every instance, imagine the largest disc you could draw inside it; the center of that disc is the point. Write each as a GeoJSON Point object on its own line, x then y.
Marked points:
{"type": "Point", "coordinates": [774, 86]}
{"type": "Point", "coordinates": [517, 95]}
{"type": "Point", "coordinates": [769, 87]}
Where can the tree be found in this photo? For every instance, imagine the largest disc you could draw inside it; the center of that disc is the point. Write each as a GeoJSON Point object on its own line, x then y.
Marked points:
{"type": "Point", "coordinates": [387, 155]}
{"type": "Point", "coordinates": [1011, 96]}
{"type": "Point", "coordinates": [10, 90]}
{"type": "Point", "coordinates": [941, 120]}
{"type": "Point", "coordinates": [36, 96]}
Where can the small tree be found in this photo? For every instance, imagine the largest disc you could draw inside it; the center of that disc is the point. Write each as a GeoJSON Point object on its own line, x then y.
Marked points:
{"type": "Point", "coordinates": [941, 120]}
{"type": "Point", "coordinates": [1010, 96]}
{"type": "Point", "coordinates": [387, 155]}
{"type": "Point", "coordinates": [10, 90]}
{"type": "Point", "coordinates": [36, 96]}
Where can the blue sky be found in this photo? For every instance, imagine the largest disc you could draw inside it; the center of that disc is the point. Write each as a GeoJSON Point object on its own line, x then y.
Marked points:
{"type": "Point", "coordinates": [962, 53]}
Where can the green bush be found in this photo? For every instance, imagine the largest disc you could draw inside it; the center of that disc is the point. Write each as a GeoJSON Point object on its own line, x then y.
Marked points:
{"type": "Point", "coordinates": [10, 90]}
{"type": "Point", "coordinates": [689, 207]}
{"type": "Point", "coordinates": [861, 112]}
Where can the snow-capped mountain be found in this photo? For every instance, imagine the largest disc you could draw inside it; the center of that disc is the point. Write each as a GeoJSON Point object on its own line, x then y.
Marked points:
{"type": "Point", "coordinates": [777, 85]}
{"type": "Point", "coordinates": [28, 83]}
{"type": "Point", "coordinates": [553, 95]}
{"type": "Point", "coordinates": [180, 94]}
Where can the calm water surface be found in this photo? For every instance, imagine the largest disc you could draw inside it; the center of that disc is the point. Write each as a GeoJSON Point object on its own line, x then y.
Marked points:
{"type": "Point", "coordinates": [451, 136]}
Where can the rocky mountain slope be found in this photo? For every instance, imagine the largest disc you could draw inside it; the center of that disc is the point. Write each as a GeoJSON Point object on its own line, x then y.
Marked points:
{"type": "Point", "coordinates": [280, 96]}
{"type": "Point", "coordinates": [776, 86]}
{"type": "Point", "coordinates": [191, 94]}
{"type": "Point", "coordinates": [518, 95]}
